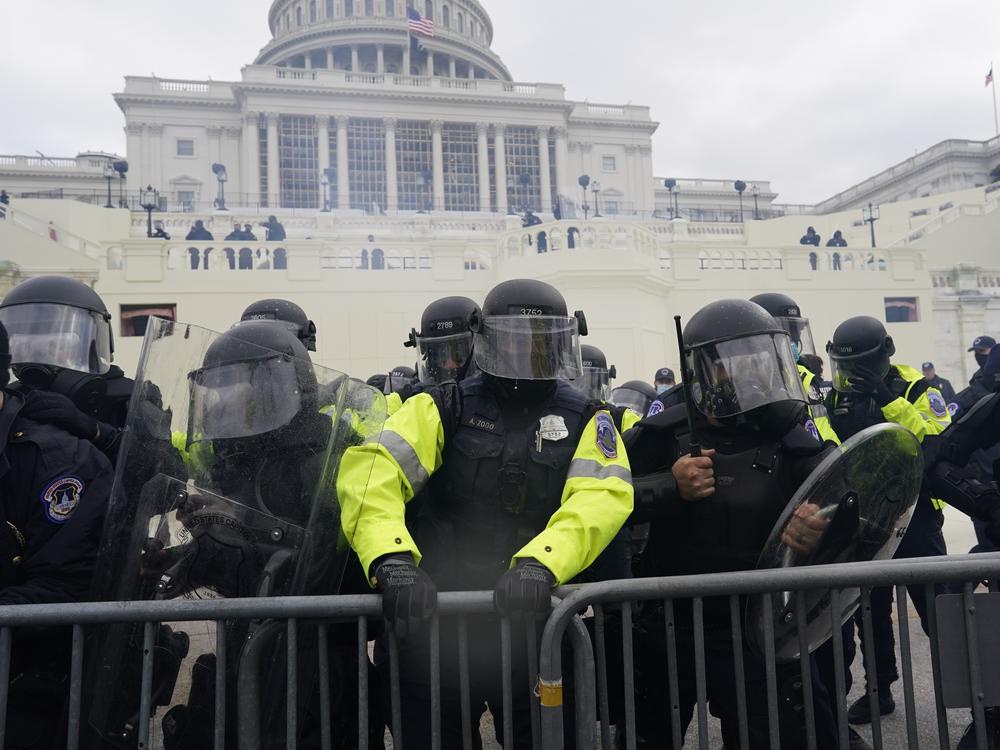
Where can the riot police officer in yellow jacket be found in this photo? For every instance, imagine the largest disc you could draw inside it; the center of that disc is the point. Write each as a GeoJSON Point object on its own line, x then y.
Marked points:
{"type": "Point", "coordinates": [868, 390]}
{"type": "Point", "coordinates": [528, 483]}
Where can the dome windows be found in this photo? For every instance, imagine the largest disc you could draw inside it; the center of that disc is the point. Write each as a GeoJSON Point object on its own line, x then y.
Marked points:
{"type": "Point", "coordinates": [298, 15]}
{"type": "Point", "coordinates": [312, 11]}
{"type": "Point", "coordinates": [429, 15]}
{"type": "Point", "coordinates": [460, 23]}
{"type": "Point", "coordinates": [369, 7]}
{"type": "Point", "coordinates": [348, 8]}
{"type": "Point", "coordinates": [390, 8]}
{"type": "Point", "coordinates": [329, 9]}
{"type": "Point", "coordinates": [446, 16]}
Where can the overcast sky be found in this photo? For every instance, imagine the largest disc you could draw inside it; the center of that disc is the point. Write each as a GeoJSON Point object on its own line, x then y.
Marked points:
{"type": "Point", "coordinates": [813, 96]}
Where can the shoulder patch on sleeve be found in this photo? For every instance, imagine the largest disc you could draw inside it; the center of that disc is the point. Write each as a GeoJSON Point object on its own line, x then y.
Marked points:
{"type": "Point", "coordinates": [812, 429]}
{"type": "Point", "coordinates": [607, 437]}
{"type": "Point", "coordinates": [61, 497]}
{"type": "Point", "coordinates": [655, 408]}
{"type": "Point", "coordinates": [938, 406]}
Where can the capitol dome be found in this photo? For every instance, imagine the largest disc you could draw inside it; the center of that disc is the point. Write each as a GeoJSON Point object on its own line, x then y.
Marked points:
{"type": "Point", "coordinates": [372, 36]}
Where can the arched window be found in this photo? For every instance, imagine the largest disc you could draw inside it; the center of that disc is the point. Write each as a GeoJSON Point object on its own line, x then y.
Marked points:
{"type": "Point", "coordinates": [461, 23]}
{"type": "Point", "coordinates": [543, 242]}
{"type": "Point", "coordinates": [369, 7]}
{"type": "Point", "coordinates": [348, 7]}
{"type": "Point", "coordinates": [390, 8]}
{"type": "Point", "coordinates": [378, 260]}
{"type": "Point", "coordinates": [280, 259]}
{"type": "Point", "coordinates": [446, 16]}
{"type": "Point", "coordinates": [429, 15]}
{"type": "Point", "coordinates": [246, 259]}
{"type": "Point", "coordinates": [298, 15]}
{"type": "Point", "coordinates": [329, 9]}
{"type": "Point", "coordinates": [312, 11]}
{"type": "Point", "coordinates": [363, 260]}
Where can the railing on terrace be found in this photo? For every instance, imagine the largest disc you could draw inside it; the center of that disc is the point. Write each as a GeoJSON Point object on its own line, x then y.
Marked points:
{"type": "Point", "coordinates": [49, 231]}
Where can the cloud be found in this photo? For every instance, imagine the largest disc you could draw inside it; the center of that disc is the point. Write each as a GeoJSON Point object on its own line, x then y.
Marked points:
{"type": "Point", "coordinates": [812, 96]}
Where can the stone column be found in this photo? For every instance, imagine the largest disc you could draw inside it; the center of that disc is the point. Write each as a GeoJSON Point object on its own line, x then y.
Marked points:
{"type": "Point", "coordinates": [634, 176]}
{"type": "Point", "coordinates": [156, 154]}
{"type": "Point", "coordinates": [472, 71]}
{"type": "Point", "coordinates": [322, 149]}
{"type": "Point", "coordinates": [343, 182]}
{"type": "Point", "coordinates": [308, 61]}
{"type": "Point", "coordinates": [483, 133]}
{"type": "Point", "coordinates": [133, 151]}
{"type": "Point", "coordinates": [562, 163]}
{"type": "Point", "coordinates": [406, 60]}
{"type": "Point", "coordinates": [646, 177]}
{"type": "Point", "coordinates": [500, 156]}
{"type": "Point", "coordinates": [329, 58]}
{"type": "Point", "coordinates": [437, 157]}
{"type": "Point", "coordinates": [544, 167]}
{"type": "Point", "coordinates": [250, 172]}
{"type": "Point", "coordinates": [273, 162]}
{"type": "Point", "coordinates": [355, 59]}
{"type": "Point", "coordinates": [214, 134]}
{"type": "Point", "coordinates": [430, 62]}
{"type": "Point", "coordinates": [147, 162]}
{"type": "Point", "coordinates": [452, 73]}
{"type": "Point", "coordinates": [391, 177]}
{"type": "Point", "coordinates": [380, 58]}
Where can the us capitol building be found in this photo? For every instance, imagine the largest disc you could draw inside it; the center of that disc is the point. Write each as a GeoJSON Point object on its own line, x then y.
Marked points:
{"type": "Point", "coordinates": [401, 157]}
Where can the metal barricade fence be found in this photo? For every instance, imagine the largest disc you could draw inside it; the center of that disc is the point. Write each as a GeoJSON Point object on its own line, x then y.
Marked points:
{"type": "Point", "coordinates": [960, 675]}
{"type": "Point", "coordinates": [288, 618]}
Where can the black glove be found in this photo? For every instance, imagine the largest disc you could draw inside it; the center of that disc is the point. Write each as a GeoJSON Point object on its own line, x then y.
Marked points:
{"type": "Point", "coordinates": [56, 409]}
{"type": "Point", "coordinates": [409, 596]}
{"type": "Point", "coordinates": [525, 589]}
{"type": "Point", "coordinates": [869, 383]}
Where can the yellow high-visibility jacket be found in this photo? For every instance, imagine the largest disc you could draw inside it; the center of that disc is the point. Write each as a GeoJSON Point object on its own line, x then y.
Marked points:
{"type": "Point", "coordinates": [377, 479]}
{"type": "Point", "coordinates": [817, 409]}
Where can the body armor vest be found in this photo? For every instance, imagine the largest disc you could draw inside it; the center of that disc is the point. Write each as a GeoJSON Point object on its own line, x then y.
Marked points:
{"type": "Point", "coordinates": [501, 479]}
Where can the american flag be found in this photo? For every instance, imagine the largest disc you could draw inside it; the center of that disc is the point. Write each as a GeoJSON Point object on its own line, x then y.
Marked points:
{"type": "Point", "coordinates": [417, 24]}
{"type": "Point", "coordinates": [989, 76]}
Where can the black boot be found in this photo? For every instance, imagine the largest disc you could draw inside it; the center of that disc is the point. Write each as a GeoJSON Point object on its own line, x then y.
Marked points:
{"type": "Point", "coordinates": [860, 711]}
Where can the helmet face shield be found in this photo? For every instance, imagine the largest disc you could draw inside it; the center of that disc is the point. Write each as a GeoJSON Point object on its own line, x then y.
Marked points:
{"type": "Point", "coordinates": [538, 347]}
{"type": "Point", "coordinates": [70, 338]}
{"type": "Point", "coordinates": [637, 402]}
{"type": "Point", "coordinates": [844, 368]}
{"type": "Point", "coordinates": [243, 399]}
{"type": "Point", "coordinates": [443, 358]}
{"type": "Point", "coordinates": [800, 334]}
{"type": "Point", "coordinates": [594, 383]}
{"type": "Point", "coordinates": [739, 375]}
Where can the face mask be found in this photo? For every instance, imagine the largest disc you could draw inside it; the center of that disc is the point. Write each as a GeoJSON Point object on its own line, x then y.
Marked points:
{"type": "Point", "coordinates": [662, 388]}
{"type": "Point", "coordinates": [981, 359]}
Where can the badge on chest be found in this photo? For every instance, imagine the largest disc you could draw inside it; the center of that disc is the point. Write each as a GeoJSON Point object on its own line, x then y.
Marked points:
{"type": "Point", "coordinates": [550, 429]}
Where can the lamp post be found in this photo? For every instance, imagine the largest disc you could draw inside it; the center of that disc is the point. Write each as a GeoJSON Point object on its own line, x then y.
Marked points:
{"type": "Point", "coordinates": [121, 168]}
{"type": "Point", "coordinates": [149, 199]}
{"type": "Point", "coordinates": [740, 187]}
{"type": "Point", "coordinates": [870, 216]}
{"type": "Point", "coordinates": [219, 170]}
{"type": "Point", "coordinates": [670, 184]}
{"type": "Point", "coordinates": [327, 178]}
{"type": "Point", "coordinates": [595, 187]}
{"type": "Point", "coordinates": [109, 173]}
{"type": "Point", "coordinates": [756, 209]}
{"type": "Point", "coordinates": [584, 183]}
{"type": "Point", "coordinates": [425, 179]}
{"type": "Point", "coordinates": [525, 179]}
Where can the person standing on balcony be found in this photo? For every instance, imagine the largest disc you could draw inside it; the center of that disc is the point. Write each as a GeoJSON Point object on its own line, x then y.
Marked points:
{"type": "Point", "coordinates": [199, 232]}
{"type": "Point", "coordinates": [837, 240]}
{"type": "Point", "coordinates": [275, 230]}
{"type": "Point", "coordinates": [810, 238]}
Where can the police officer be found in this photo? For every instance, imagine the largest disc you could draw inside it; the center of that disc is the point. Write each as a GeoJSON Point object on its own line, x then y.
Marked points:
{"type": "Point", "coordinates": [400, 377]}
{"type": "Point", "coordinates": [54, 491]}
{"type": "Point", "coordinates": [62, 352]}
{"type": "Point", "coordinates": [663, 380]}
{"type": "Point", "coordinates": [942, 384]}
{"type": "Point", "coordinates": [529, 483]}
{"type": "Point", "coordinates": [636, 395]}
{"type": "Point", "coordinates": [668, 392]}
{"type": "Point", "coordinates": [714, 512]}
{"type": "Point", "coordinates": [979, 385]}
{"type": "Point", "coordinates": [597, 377]}
{"type": "Point", "coordinates": [785, 310]}
{"type": "Point", "coordinates": [868, 390]}
{"type": "Point", "coordinates": [288, 313]}
{"type": "Point", "coordinates": [444, 341]}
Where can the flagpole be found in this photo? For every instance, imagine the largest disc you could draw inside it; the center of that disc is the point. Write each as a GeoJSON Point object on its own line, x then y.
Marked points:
{"type": "Point", "coordinates": [996, 120]}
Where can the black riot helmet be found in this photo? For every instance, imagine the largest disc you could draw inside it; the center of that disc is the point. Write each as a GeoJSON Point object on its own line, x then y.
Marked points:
{"type": "Point", "coordinates": [860, 342]}
{"type": "Point", "coordinates": [444, 340]}
{"type": "Point", "coordinates": [526, 333]}
{"type": "Point", "coordinates": [637, 395]}
{"type": "Point", "coordinates": [255, 381]}
{"type": "Point", "coordinates": [398, 378]}
{"type": "Point", "coordinates": [738, 359]}
{"type": "Point", "coordinates": [787, 312]}
{"type": "Point", "coordinates": [4, 357]}
{"type": "Point", "coordinates": [60, 338]}
{"type": "Point", "coordinates": [595, 382]}
{"type": "Point", "coordinates": [283, 311]}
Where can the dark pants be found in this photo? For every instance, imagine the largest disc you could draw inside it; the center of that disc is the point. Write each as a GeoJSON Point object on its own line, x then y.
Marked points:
{"type": "Point", "coordinates": [653, 693]}
{"type": "Point", "coordinates": [485, 684]}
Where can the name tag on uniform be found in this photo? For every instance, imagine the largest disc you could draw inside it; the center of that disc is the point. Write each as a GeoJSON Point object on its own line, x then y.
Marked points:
{"type": "Point", "coordinates": [552, 428]}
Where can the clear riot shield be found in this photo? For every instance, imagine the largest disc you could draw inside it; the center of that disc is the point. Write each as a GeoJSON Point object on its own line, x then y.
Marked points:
{"type": "Point", "coordinates": [225, 488]}
{"type": "Point", "coordinates": [854, 507]}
